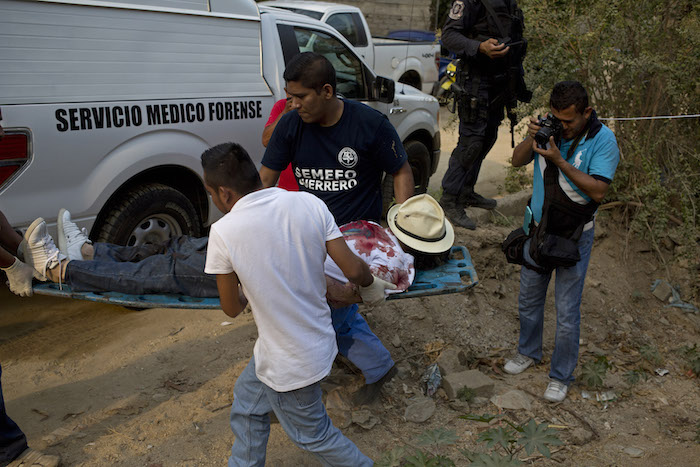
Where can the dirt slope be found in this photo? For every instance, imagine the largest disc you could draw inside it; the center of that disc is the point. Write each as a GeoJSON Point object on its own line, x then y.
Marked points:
{"type": "Point", "coordinates": [102, 385]}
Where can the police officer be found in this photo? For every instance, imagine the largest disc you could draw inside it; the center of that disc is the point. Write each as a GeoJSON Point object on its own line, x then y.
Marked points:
{"type": "Point", "coordinates": [487, 36]}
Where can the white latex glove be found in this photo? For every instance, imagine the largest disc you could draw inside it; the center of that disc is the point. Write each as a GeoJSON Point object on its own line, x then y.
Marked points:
{"type": "Point", "coordinates": [19, 277]}
{"type": "Point", "coordinates": [373, 294]}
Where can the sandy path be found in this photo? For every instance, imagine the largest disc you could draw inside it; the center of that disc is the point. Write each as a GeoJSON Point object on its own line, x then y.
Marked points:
{"type": "Point", "coordinates": [493, 169]}
{"type": "Point", "coordinates": [109, 385]}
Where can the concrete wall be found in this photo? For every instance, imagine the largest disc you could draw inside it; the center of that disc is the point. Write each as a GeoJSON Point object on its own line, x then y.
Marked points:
{"type": "Point", "coordinates": [387, 15]}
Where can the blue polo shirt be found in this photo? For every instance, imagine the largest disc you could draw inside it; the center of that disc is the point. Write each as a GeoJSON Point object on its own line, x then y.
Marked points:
{"type": "Point", "coordinates": [596, 155]}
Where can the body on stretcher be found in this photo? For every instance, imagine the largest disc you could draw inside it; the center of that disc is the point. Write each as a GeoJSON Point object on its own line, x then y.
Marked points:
{"type": "Point", "coordinates": [456, 275]}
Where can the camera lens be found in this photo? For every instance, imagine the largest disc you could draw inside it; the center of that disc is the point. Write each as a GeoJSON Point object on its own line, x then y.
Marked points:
{"type": "Point", "coordinates": [542, 136]}
{"type": "Point", "coordinates": [551, 126]}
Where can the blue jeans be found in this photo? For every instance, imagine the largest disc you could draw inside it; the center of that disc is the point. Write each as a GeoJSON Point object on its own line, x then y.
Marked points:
{"type": "Point", "coordinates": [359, 344]}
{"type": "Point", "coordinates": [567, 298]}
{"type": "Point", "coordinates": [12, 440]}
{"type": "Point", "coordinates": [300, 412]}
{"type": "Point", "coordinates": [174, 267]}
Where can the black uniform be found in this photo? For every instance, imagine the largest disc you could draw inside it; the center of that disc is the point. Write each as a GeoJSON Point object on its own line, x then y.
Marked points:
{"type": "Point", "coordinates": [488, 86]}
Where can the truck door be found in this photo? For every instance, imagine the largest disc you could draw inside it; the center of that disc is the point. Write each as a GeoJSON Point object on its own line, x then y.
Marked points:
{"type": "Point", "coordinates": [351, 76]}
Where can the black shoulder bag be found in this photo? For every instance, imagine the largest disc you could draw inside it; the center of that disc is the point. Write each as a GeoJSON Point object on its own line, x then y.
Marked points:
{"type": "Point", "coordinates": [555, 239]}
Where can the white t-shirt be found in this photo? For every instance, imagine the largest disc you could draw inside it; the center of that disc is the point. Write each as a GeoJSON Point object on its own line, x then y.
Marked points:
{"type": "Point", "coordinates": [275, 242]}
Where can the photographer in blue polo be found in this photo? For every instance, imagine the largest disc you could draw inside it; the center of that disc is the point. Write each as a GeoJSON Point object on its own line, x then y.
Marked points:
{"type": "Point", "coordinates": [575, 157]}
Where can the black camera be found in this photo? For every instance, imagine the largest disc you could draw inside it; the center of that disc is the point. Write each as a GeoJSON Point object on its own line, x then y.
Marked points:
{"type": "Point", "coordinates": [550, 126]}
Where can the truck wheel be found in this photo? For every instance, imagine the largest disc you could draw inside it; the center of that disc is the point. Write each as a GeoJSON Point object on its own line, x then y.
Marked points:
{"type": "Point", "coordinates": [419, 160]}
{"type": "Point", "coordinates": [150, 213]}
{"type": "Point", "coordinates": [412, 79]}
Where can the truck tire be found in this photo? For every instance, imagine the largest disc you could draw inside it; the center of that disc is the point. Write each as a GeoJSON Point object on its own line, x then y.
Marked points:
{"type": "Point", "coordinates": [419, 160]}
{"type": "Point", "coordinates": [411, 78]}
{"type": "Point", "coordinates": [150, 213]}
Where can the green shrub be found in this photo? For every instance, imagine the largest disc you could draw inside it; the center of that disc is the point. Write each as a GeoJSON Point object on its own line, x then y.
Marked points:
{"type": "Point", "coordinates": [635, 58]}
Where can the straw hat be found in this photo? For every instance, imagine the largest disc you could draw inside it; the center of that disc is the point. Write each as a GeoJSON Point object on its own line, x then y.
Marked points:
{"type": "Point", "coordinates": [420, 223]}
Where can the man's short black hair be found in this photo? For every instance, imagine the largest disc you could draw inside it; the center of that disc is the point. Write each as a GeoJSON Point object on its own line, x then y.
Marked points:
{"type": "Point", "coordinates": [229, 165]}
{"type": "Point", "coordinates": [567, 93]}
{"type": "Point", "coordinates": [312, 70]}
{"type": "Point", "coordinates": [426, 261]}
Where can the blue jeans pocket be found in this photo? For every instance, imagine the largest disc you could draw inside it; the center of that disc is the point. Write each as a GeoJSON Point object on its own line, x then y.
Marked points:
{"type": "Point", "coordinates": [304, 411]}
{"type": "Point", "coordinates": [307, 397]}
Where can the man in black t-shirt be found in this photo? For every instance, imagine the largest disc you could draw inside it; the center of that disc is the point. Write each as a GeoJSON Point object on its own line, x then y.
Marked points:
{"type": "Point", "coordinates": [339, 150]}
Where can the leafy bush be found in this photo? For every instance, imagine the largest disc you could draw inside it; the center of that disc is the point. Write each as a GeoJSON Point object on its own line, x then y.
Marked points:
{"type": "Point", "coordinates": [593, 372]}
{"type": "Point", "coordinates": [516, 179]}
{"type": "Point", "coordinates": [505, 442]}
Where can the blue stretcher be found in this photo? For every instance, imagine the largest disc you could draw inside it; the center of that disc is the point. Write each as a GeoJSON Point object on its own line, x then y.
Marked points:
{"type": "Point", "coordinates": [456, 275]}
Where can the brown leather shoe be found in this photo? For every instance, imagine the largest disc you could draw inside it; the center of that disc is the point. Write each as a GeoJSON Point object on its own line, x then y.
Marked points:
{"type": "Point", "coordinates": [32, 458]}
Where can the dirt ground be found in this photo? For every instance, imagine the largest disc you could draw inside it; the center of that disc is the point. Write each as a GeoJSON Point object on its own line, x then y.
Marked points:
{"type": "Point", "coordinates": [493, 169]}
{"type": "Point", "coordinates": [102, 385]}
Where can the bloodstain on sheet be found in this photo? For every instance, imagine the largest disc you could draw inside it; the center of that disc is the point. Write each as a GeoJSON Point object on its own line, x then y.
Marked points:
{"type": "Point", "coordinates": [368, 239]}
{"type": "Point", "coordinates": [368, 236]}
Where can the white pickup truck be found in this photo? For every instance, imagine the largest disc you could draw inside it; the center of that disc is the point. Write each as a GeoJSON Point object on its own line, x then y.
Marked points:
{"type": "Point", "coordinates": [107, 106]}
{"type": "Point", "coordinates": [412, 63]}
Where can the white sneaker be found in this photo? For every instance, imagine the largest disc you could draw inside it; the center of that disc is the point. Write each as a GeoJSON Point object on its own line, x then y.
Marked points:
{"type": "Point", "coordinates": [20, 249]}
{"type": "Point", "coordinates": [70, 237]}
{"type": "Point", "coordinates": [556, 391]}
{"type": "Point", "coordinates": [41, 252]}
{"type": "Point", "coordinates": [518, 364]}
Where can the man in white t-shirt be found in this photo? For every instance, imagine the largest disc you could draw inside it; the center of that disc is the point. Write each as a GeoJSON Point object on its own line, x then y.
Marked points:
{"type": "Point", "coordinates": [269, 249]}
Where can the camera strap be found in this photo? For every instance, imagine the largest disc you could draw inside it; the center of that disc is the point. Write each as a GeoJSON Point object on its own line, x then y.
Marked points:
{"type": "Point", "coordinates": [578, 139]}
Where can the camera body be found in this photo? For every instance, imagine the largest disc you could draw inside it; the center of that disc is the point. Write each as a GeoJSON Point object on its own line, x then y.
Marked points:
{"type": "Point", "coordinates": [550, 126]}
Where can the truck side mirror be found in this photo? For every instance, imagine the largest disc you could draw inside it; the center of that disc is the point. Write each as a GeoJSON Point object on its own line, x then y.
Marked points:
{"type": "Point", "coordinates": [383, 90]}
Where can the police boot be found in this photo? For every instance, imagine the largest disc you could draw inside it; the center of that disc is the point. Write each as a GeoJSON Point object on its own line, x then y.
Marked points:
{"type": "Point", "coordinates": [468, 197]}
{"type": "Point", "coordinates": [455, 212]}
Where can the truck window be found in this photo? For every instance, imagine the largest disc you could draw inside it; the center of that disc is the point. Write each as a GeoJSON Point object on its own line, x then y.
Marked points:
{"type": "Point", "coordinates": [302, 11]}
{"type": "Point", "coordinates": [349, 71]}
{"type": "Point", "coordinates": [346, 24]}
{"type": "Point", "coordinates": [362, 32]}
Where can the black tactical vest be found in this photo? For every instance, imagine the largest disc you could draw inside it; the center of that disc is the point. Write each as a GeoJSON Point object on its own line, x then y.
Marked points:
{"type": "Point", "coordinates": [507, 26]}
{"type": "Point", "coordinates": [503, 20]}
